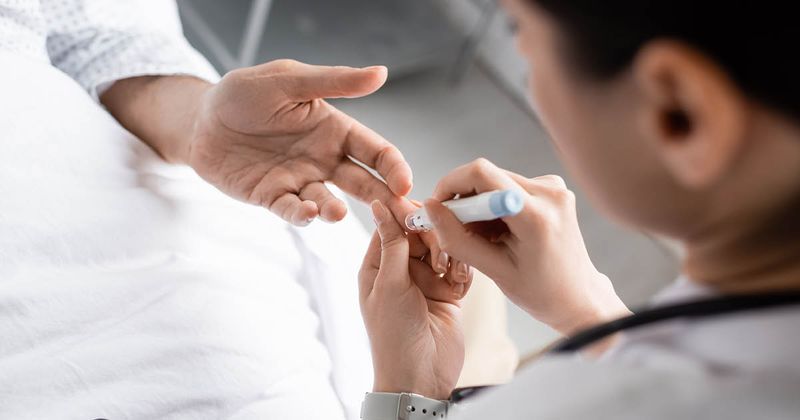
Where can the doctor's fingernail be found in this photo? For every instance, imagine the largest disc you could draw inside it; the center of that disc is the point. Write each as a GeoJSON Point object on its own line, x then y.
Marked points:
{"type": "Point", "coordinates": [458, 290]}
{"type": "Point", "coordinates": [378, 212]}
{"type": "Point", "coordinates": [441, 264]}
{"type": "Point", "coordinates": [462, 272]}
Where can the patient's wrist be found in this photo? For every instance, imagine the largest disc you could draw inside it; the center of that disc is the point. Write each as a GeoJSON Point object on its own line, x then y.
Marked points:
{"type": "Point", "coordinates": [160, 110]}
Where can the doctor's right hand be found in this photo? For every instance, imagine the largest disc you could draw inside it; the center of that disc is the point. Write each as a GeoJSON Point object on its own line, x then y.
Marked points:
{"type": "Point", "coordinates": [537, 257]}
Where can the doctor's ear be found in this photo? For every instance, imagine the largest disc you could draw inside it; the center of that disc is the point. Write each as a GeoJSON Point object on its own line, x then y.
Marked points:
{"type": "Point", "coordinates": [691, 112]}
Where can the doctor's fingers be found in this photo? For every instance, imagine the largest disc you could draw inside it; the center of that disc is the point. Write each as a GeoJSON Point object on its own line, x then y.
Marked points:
{"type": "Point", "coordinates": [547, 209]}
{"type": "Point", "coordinates": [475, 177]}
{"type": "Point", "coordinates": [460, 275]}
{"type": "Point", "coordinates": [434, 286]}
{"type": "Point", "coordinates": [386, 261]}
{"type": "Point", "coordinates": [464, 245]}
{"type": "Point", "coordinates": [425, 242]}
{"type": "Point", "coordinates": [482, 176]}
{"type": "Point", "coordinates": [369, 267]}
{"type": "Point", "coordinates": [552, 187]}
{"type": "Point", "coordinates": [393, 269]}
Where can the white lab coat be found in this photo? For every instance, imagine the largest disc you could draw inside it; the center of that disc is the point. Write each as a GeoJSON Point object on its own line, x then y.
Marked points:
{"type": "Point", "coordinates": [737, 366]}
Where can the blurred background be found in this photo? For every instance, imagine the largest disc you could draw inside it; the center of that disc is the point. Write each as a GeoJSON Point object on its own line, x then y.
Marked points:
{"type": "Point", "coordinates": [456, 92]}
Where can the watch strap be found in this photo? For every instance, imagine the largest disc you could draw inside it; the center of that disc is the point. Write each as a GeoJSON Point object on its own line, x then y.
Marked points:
{"type": "Point", "coordinates": [403, 406]}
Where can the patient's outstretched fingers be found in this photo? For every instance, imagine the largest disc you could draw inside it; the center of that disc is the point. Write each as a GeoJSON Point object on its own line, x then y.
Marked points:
{"type": "Point", "coordinates": [376, 152]}
{"type": "Point", "coordinates": [331, 208]}
{"type": "Point", "coordinates": [294, 210]}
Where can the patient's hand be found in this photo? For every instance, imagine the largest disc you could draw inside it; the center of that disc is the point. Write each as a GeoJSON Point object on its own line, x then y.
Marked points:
{"type": "Point", "coordinates": [264, 135]}
{"type": "Point", "coordinates": [412, 315]}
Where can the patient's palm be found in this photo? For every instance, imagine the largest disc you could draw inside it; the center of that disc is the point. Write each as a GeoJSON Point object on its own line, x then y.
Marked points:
{"type": "Point", "coordinates": [266, 136]}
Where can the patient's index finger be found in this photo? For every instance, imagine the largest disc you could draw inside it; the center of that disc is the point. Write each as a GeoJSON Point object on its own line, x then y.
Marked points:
{"type": "Point", "coordinates": [360, 184]}
{"type": "Point", "coordinates": [377, 153]}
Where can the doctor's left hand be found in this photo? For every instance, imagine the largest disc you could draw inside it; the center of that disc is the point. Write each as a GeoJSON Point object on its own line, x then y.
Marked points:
{"type": "Point", "coordinates": [265, 135]}
{"type": "Point", "coordinates": [412, 315]}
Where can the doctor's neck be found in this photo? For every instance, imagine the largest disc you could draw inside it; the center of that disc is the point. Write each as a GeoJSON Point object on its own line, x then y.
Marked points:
{"type": "Point", "coordinates": [753, 245]}
{"type": "Point", "coordinates": [763, 258]}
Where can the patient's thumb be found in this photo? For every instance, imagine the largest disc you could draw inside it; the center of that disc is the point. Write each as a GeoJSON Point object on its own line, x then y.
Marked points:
{"type": "Point", "coordinates": [354, 83]}
{"type": "Point", "coordinates": [336, 82]}
{"type": "Point", "coordinates": [394, 244]}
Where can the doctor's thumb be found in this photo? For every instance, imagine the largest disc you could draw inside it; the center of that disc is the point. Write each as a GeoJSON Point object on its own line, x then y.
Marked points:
{"type": "Point", "coordinates": [394, 244]}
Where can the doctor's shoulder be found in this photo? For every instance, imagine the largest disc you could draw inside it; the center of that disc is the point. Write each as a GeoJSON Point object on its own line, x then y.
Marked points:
{"type": "Point", "coordinates": [742, 365]}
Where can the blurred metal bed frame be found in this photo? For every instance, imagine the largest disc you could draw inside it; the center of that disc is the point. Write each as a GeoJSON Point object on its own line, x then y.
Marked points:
{"type": "Point", "coordinates": [259, 14]}
{"type": "Point", "coordinates": [251, 39]}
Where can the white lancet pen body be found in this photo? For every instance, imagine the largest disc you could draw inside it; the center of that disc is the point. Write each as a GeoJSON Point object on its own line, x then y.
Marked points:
{"type": "Point", "coordinates": [482, 207]}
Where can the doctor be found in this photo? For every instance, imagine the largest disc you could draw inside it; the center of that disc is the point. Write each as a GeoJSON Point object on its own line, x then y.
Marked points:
{"type": "Point", "coordinates": [676, 118]}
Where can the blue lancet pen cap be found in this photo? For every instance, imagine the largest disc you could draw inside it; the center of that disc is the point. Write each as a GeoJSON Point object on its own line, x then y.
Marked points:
{"type": "Point", "coordinates": [506, 203]}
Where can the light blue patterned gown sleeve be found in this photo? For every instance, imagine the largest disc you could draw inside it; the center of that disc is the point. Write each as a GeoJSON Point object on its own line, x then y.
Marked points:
{"type": "Point", "coordinates": [97, 42]}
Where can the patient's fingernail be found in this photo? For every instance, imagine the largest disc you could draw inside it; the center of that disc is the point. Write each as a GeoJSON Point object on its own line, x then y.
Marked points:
{"type": "Point", "coordinates": [458, 290]}
{"type": "Point", "coordinates": [441, 264]}
{"type": "Point", "coordinates": [374, 68]}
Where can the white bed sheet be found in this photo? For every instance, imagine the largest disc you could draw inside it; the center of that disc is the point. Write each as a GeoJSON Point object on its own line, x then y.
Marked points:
{"type": "Point", "coordinates": [130, 289]}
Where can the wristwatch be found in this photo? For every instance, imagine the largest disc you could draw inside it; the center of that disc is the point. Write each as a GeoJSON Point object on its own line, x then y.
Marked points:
{"type": "Point", "coordinates": [403, 406]}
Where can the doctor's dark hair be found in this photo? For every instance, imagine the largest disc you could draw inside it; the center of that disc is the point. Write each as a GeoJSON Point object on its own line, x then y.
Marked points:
{"type": "Point", "coordinates": [755, 42]}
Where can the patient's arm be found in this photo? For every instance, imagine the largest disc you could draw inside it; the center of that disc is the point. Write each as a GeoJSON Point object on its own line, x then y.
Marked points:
{"type": "Point", "coordinates": [265, 135]}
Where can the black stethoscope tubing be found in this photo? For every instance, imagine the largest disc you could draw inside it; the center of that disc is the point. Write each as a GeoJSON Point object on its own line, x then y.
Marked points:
{"type": "Point", "coordinates": [695, 309]}
{"type": "Point", "coordinates": [704, 308]}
